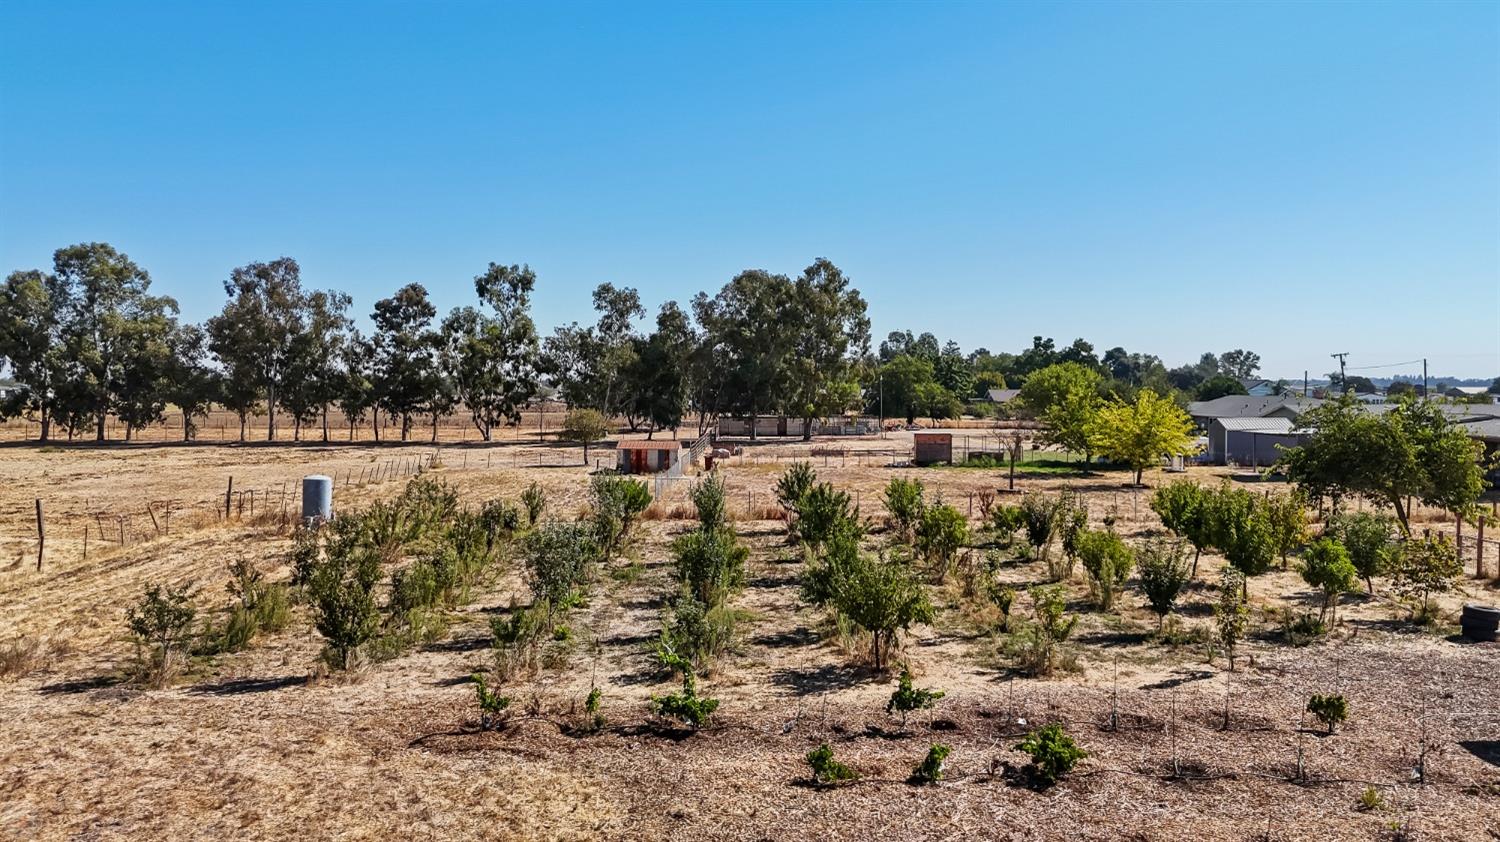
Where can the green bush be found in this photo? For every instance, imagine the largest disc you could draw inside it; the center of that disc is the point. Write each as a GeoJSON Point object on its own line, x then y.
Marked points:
{"type": "Point", "coordinates": [535, 501]}
{"type": "Point", "coordinates": [930, 770]}
{"type": "Point", "coordinates": [1037, 647]}
{"type": "Point", "coordinates": [710, 563]}
{"type": "Point", "coordinates": [881, 597]}
{"type": "Point", "coordinates": [492, 705]}
{"type": "Point", "coordinates": [708, 497]}
{"type": "Point", "coordinates": [1163, 574]}
{"type": "Point", "coordinates": [823, 512]}
{"type": "Point", "coordinates": [162, 623]}
{"type": "Point", "coordinates": [1422, 568]}
{"type": "Point", "coordinates": [1183, 506]}
{"type": "Point", "coordinates": [618, 503]}
{"type": "Point", "coordinates": [1053, 753]}
{"type": "Point", "coordinates": [558, 558]}
{"type": "Point", "coordinates": [686, 706]}
{"type": "Point", "coordinates": [593, 708]}
{"type": "Point", "coordinates": [1368, 538]}
{"type": "Point", "coordinates": [907, 698]}
{"type": "Point", "coordinates": [498, 520]}
{"type": "Point", "coordinates": [1004, 521]}
{"type": "Point", "coordinates": [342, 591]}
{"type": "Point", "coordinates": [1072, 524]}
{"type": "Point", "coordinates": [1004, 596]}
{"type": "Point", "coordinates": [941, 532]}
{"type": "Point", "coordinates": [1240, 530]}
{"type": "Point", "coordinates": [1231, 614]}
{"type": "Point", "coordinates": [1107, 560]}
{"type": "Point", "coordinates": [1331, 709]}
{"type": "Point", "coordinates": [1326, 566]}
{"type": "Point", "coordinates": [1039, 517]}
{"type": "Point", "coordinates": [905, 503]}
{"type": "Point", "coordinates": [791, 488]}
{"type": "Point", "coordinates": [516, 639]}
{"type": "Point", "coordinates": [825, 770]}
{"type": "Point", "coordinates": [696, 633]}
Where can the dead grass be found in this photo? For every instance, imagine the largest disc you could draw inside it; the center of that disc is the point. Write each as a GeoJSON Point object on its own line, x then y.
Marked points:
{"type": "Point", "coordinates": [262, 744]}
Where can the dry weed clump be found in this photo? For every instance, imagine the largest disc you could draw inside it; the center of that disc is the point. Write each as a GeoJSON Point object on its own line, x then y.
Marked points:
{"type": "Point", "coordinates": [25, 654]}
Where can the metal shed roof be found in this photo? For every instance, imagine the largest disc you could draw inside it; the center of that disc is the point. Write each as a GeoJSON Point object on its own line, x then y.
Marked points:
{"type": "Point", "coordinates": [1256, 425]}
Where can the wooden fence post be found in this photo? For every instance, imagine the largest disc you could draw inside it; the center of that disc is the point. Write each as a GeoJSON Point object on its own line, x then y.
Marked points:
{"type": "Point", "coordinates": [41, 535]}
{"type": "Point", "coordinates": [228, 493]}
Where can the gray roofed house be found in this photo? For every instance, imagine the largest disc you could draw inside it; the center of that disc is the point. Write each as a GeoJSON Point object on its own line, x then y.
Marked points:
{"type": "Point", "coordinates": [1003, 395]}
{"type": "Point", "coordinates": [1250, 406]}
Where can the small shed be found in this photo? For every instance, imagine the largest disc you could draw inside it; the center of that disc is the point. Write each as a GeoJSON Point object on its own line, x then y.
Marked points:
{"type": "Point", "coordinates": [932, 448]}
{"type": "Point", "coordinates": [639, 456]}
{"type": "Point", "coordinates": [1251, 441]}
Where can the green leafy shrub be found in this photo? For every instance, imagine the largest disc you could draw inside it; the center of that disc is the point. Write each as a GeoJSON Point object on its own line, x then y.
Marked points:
{"type": "Point", "coordinates": [708, 497]}
{"type": "Point", "coordinates": [825, 770]}
{"type": "Point", "coordinates": [1240, 530]}
{"type": "Point", "coordinates": [535, 501]}
{"type": "Point", "coordinates": [1036, 648]}
{"type": "Point", "coordinates": [1423, 568]}
{"type": "Point", "coordinates": [696, 633]}
{"type": "Point", "coordinates": [1231, 614]}
{"type": "Point", "coordinates": [1368, 538]}
{"type": "Point", "coordinates": [881, 597]}
{"type": "Point", "coordinates": [516, 639]}
{"type": "Point", "coordinates": [492, 705]}
{"type": "Point", "coordinates": [558, 558]}
{"type": "Point", "coordinates": [710, 563]}
{"type": "Point", "coordinates": [791, 488]}
{"type": "Point", "coordinates": [1326, 566]}
{"type": "Point", "coordinates": [1053, 753]}
{"type": "Point", "coordinates": [905, 503]}
{"type": "Point", "coordinates": [1163, 574]}
{"type": "Point", "coordinates": [941, 533]}
{"type": "Point", "coordinates": [593, 708]}
{"type": "Point", "coordinates": [686, 706]}
{"type": "Point", "coordinates": [1183, 506]}
{"type": "Point", "coordinates": [1072, 524]}
{"type": "Point", "coordinates": [823, 512]}
{"type": "Point", "coordinates": [1299, 628]}
{"type": "Point", "coordinates": [162, 623]}
{"type": "Point", "coordinates": [1004, 521]}
{"type": "Point", "coordinates": [342, 591]}
{"type": "Point", "coordinates": [1331, 709]}
{"type": "Point", "coordinates": [1107, 560]}
{"type": "Point", "coordinates": [1039, 517]}
{"type": "Point", "coordinates": [930, 770]}
{"type": "Point", "coordinates": [427, 505]}
{"type": "Point", "coordinates": [907, 698]}
{"type": "Point", "coordinates": [1004, 596]}
{"type": "Point", "coordinates": [497, 521]}
{"type": "Point", "coordinates": [1286, 522]}
{"type": "Point", "coordinates": [618, 503]}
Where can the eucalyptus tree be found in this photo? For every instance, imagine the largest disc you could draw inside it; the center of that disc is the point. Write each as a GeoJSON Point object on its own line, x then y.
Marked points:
{"type": "Point", "coordinates": [590, 364]}
{"type": "Point", "coordinates": [749, 338]}
{"type": "Point", "coordinates": [659, 379]}
{"type": "Point", "coordinates": [258, 335]}
{"type": "Point", "coordinates": [489, 360]}
{"type": "Point", "coordinates": [356, 390]}
{"type": "Point", "coordinates": [312, 381]}
{"type": "Point", "coordinates": [405, 354]}
{"type": "Point", "coordinates": [32, 345]}
{"type": "Point", "coordinates": [191, 384]}
{"type": "Point", "coordinates": [829, 333]}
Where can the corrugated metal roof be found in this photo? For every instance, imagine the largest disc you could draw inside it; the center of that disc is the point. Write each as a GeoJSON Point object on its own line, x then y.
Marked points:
{"type": "Point", "coordinates": [1256, 425]}
{"type": "Point", "coordinates": [1487, 429]}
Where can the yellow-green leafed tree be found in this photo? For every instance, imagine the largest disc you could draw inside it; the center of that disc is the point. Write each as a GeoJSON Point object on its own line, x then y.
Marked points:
{"type": "Point", "coordinates": [1141, 433]}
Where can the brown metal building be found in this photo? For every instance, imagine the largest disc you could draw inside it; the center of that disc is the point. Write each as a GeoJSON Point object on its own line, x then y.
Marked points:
{"type": "Point", "coordinates": [932, 448]}
{"type": "Point", "coordinates": [638, 456]}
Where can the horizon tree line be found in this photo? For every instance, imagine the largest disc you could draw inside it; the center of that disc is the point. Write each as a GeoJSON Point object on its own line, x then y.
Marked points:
{"type": "Point", "coordinates": [89, 340]}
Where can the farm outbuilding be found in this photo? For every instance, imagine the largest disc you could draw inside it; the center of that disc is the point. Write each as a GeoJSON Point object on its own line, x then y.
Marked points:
{"type": "Point", "coordinates": [932, 448]}
{"type": "Point", "coordinates": [639, 456]}
{"type": "Point", "coordinates": [1251, 441]}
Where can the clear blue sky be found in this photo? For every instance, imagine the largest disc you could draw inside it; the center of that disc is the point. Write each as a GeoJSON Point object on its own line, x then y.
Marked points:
{"type": "Point", "coordinates": [1295, 178]}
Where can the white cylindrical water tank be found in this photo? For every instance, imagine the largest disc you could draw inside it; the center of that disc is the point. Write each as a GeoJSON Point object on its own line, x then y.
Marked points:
{"type": "Point", "coordinates": [317, 498]}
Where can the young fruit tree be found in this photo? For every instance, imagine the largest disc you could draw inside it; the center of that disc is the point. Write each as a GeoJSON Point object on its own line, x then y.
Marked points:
{"type": "Point", "coordinates": [1368, 538]}
{"type": "Point", "coordinates": [584, 426]}
{"type": "Point", "coordinates": [879, 596]}
{"type": "Point", "coordinates": [1163, 574]}
{"type": "Point", "coordinates": [1053, 753]}
{"type": "Point", "coordinates": [1139, 434]}
{"type": "Point", "coordinates": [1183, 506]}
{"type": "Point", "coordinates": [1231, 614]}
{"type": "Point", "coordinates": [1108, 561]}
{"type": "Point", "coordinates": [1326, 566]}
{"type": "Point", "coordinates": [162, 622]}
{"type": "Point", "coordinates": [907, 698]}
{"type": "Point", "coordinates": [1423, 568]}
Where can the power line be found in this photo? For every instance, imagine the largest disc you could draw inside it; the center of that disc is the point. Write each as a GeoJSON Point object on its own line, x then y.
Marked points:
{"type": "Point", "coordinates": [1387, 365]}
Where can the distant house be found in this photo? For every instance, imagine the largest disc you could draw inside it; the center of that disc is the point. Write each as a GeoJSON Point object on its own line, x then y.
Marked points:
{"type": "Point", "coordinates": [1003, 396]}
{"type": "Point", "coordinates": [1255, 387]}
{"type": "Point", "coordinates": [1470, 391]}
{"type": "Point", "coordinates": [1250, 406]}
{"type": "Point", "coordinates": [1370, 397]}
{"type": "Point", "coordinates": [1251, 441]}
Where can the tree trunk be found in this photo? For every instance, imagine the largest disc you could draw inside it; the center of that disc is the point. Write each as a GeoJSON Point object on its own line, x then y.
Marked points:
{"type": "Point", "coordinates": [46, 425]}
{"type": "Point", "coordinates": [297, 428]}
{"type": "Point", "coordinates": [271, 412]}
{"type": "Point", "coordinates": [375, 422]}
{"type": "Point", "coordinates": [187, 426]}
{"type": "Point", "coordinates": [351, 429]}
{"type": "Point", "coordinates": [434, 427]}
{"type": "Point", "coordinates": [244, 422]}
{"type": "Point", "coordinates": [325, 423]}
{"type": "Point", "coordinates": [807, 429]}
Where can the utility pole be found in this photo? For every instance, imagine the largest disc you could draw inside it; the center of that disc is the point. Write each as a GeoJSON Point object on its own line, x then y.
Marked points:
{"type": "Point", "coordinates": [1343, 381]}
{"type": "Point", "coordinates": [1304, 382]}
{"type": "Point", "coordinates": [1424, 377]}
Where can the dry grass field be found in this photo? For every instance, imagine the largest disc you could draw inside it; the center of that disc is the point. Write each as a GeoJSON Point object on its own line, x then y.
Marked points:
{"type": "Point", "coordinates": [263, 744]}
